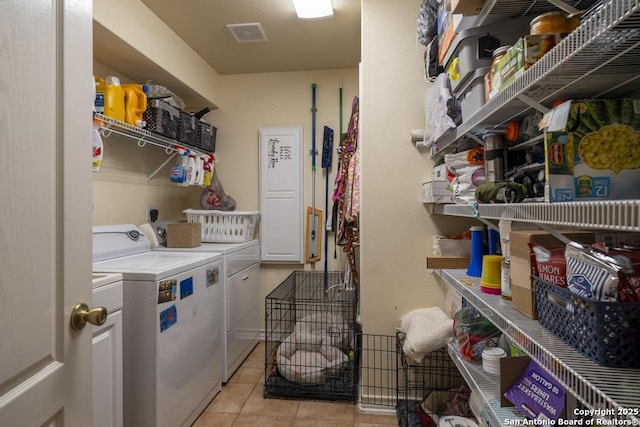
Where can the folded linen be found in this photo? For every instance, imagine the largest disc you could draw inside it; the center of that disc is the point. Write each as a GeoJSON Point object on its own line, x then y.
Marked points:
{"type": "Point", "coordinates": [427, 330]}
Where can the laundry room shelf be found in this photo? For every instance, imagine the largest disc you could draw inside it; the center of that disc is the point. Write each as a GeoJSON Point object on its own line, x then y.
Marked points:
{"type": "Point", "coordinates": [599, 59]}
{"type": "Point", "coordinates": [143, 137]}
{"type": "Point", "coordinates": [487, 386]}
{"type": "Point", "coordinates": [595, 386]}
{"type": "Point", "coordinates": [621, 215]}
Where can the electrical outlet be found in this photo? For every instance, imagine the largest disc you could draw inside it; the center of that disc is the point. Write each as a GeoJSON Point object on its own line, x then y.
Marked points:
{"type": "Point", "coordinates": [148, 212]}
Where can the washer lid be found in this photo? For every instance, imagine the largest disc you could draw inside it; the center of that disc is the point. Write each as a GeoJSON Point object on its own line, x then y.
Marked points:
{"type": "Point", "coordinates": [113, 241]}
{"type": "Point", "coordinates": [155, 265]}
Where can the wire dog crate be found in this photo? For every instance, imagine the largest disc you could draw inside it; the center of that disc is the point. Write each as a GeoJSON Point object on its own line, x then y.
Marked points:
{"type": "Point", "coordinates": [429, 389]}
{"type": "Point", "coordinates": [311, 339]}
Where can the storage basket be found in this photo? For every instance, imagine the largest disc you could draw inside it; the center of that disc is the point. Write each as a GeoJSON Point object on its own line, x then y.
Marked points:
{"type": "Point", "coordinates": [206, 138]}
{"type": "Point", "coordinates": [225, 227]}
{"type": "Point", "coordinates": [606, 332]}
{"type": "Point", "coordinates": [161, 118]}
{"type": "Point", "coordinates": [187, 129]}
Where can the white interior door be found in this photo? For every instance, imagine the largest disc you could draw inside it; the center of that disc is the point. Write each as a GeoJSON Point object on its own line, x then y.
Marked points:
{"type": "Point", "coordinates": [45, 218]}
{"type": "Point", "coordinates": [281, 226]}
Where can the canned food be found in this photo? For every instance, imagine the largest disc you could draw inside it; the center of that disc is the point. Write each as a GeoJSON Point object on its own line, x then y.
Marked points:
{"type": "Point", "coordinates": [494, 76]}
{"type": "Point", "coordinates": [554, 22]}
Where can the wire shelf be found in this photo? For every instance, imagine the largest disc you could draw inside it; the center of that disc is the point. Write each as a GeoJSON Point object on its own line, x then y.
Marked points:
{"type": "Point", "coordinates": [621, 215]}
{"type": "Point", "coordinates": [596, 387]}
{"type": "Point", "coordinates": [142, 136]}
{"type": "Point", "coordinates": [488, 386]}
{"type": "Point", "coordinates": [599, 59]}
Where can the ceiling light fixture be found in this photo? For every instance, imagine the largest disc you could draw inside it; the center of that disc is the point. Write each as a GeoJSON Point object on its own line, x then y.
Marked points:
{"type": "Point", "coordinates": [313, 9]}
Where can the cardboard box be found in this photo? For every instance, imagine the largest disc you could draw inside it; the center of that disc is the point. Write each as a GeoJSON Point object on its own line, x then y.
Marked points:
{"type": "Point", "coordinates": [523, 295]}
{"type": "Point", "coordinates": [592, 150]}
{"type": "Point", "coordinates": [448, 262]}
{"type": "Point", "coordinates": [184, 235]}
{"type": "Point", "coordinates": [467, 7]}
{"type": "Point", "coordinates": [437, 192]}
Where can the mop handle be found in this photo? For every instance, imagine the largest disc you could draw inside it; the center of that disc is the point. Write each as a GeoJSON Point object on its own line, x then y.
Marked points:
{"type": "Point", "coordinates": [313, 160]}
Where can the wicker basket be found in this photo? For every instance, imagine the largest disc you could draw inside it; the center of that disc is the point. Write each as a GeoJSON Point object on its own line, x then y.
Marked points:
{"type": "Point", "coordinates": [224, 227]}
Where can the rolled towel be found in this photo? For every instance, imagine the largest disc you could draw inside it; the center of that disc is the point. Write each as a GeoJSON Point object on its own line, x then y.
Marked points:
{"type": "Point", "coordinates": [427, 330]}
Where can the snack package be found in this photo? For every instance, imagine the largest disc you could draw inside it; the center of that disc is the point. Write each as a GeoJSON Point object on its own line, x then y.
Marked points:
{"type": "Point", "coordinates": [473, 332]}
{"type": "Point", "coordinates": [591, 273]}
{"type": "Point", "coordinates": [629, 285]}
{"type": "Point", "coordinates": [549, 263]}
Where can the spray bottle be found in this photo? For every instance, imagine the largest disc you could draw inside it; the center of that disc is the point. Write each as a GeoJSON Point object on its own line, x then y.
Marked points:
{"type": "Point", "coordinates": [178, 173]}
{"type": "Point", "coordinates": [97, 146]}
{"type": "Point", "coordinates": [208, 169]}
{"type": "Point", "coordinates": [192, 174]}
{"type": "Point", "coordinates": [199, 170]}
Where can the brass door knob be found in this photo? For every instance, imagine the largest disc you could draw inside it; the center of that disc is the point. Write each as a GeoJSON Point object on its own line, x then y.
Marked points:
{"type": "Point", "coordinates": [81, 314]}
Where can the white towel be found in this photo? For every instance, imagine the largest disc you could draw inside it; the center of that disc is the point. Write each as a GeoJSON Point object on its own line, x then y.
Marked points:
{"type": "Point", "coordinates": [427, 330]}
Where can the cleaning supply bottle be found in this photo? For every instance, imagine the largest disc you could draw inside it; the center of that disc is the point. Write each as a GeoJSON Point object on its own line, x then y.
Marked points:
{"type": "Point", "coordinates": [185, 167]}
{"type": "Point", "coordinates": [114, 98]}
{"type": "Point", "coordinates": [97, 146]}
{"type": "Point", "coordinates": [191, 169]}
{"type": "Point", "coordinates": [98, 102]}
{"type": "Point", "coordinates": [199, 170]}
{"type": "Point", "coordinates": [178, 173]}
{"type": "Point", "coordinates": [208, 169]}
{"type": "Point", "coordinates": [135, 100]}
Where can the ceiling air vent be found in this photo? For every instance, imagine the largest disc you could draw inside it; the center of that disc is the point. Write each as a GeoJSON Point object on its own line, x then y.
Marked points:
{"type": "Point", "coordinates": [247, 33]}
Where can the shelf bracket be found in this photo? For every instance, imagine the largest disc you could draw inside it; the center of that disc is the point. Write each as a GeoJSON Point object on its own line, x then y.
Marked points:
{"type": "Point", "coordinates": [155, 172]}
{"type": "Point", "coordinates": [475, 138]}
{"type": "Point", "coordinates": [488, 223]}
{"type": "Point", "coordinates": [562, 5]}
{"type": "Point", "coordinates": [532, 103]}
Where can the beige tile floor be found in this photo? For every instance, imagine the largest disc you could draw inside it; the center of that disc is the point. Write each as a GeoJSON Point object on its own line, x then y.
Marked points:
{"type": "Point", "coordinates": [240, 403]}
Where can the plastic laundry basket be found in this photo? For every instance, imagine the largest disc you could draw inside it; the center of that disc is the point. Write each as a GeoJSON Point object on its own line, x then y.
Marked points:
{"type": "Point", "coordinates": [224, 227]}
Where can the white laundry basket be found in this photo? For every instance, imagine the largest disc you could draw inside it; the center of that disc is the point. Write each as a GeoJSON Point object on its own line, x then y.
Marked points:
{"type": "Point", "coordinates": [224, 227]}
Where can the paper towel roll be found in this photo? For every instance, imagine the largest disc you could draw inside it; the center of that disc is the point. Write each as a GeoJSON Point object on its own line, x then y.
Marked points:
{"type": "Point", "coordinates": [150, 234]}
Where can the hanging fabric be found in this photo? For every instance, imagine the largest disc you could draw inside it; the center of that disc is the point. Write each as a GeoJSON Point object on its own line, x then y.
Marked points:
{"type": "Point", "coordinates": [347, 192]}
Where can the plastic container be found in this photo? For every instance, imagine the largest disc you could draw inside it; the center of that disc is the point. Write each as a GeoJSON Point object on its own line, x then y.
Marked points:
{"type": "Point", "coordinates": [477, 252]}
{"type": "Point", "coordinates": [161, 118]}
{"type": "Point", "coordinates": [222, 227]}
{"type": "Point", "coordinates": [98, 103]}
{"type": "Point", "coordinates": [114, 99]}
{"type": "Point", "coordinates": [471, 96]}
{"type": "Point", "coordinates": [473, 52]}
{"type": "Point", "coordinates": [135, 105]}
{"type": "Point", "coordinates": [491, 359]}
{"type": "Point", "coordinates": [605, 332]}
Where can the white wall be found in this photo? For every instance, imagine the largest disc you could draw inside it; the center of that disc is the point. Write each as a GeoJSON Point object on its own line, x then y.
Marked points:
{"type": "Point", "coordinates": [252, 101]}
{"type": "Point", "coordinates": [395, 226]}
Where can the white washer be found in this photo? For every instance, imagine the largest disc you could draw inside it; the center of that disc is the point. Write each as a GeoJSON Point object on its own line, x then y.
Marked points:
{"type": "Point", "coordinates": [172, 321]}
{"type": "Point", "coordinates": [242, 298]}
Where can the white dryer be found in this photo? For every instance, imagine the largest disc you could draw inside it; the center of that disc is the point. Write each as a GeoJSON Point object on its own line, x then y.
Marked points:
{"type": "Point", "coordinates": [242, 298]}
{"type": "Point", "coordinates": [172, 321]}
